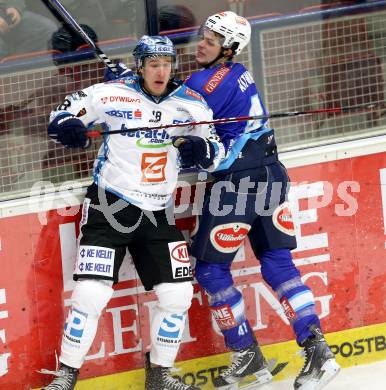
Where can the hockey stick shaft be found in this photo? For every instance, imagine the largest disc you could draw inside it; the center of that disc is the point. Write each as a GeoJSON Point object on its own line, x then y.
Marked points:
{"type": "Point", "coordinates": [289, 114]}
{"type": "Point", "coordinates": [61, 13]}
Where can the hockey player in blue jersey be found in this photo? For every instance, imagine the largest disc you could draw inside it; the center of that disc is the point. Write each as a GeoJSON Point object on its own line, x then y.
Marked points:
{"type": "Point", "coordinates": [253, 173]}
{"type": "Point", "coordinates": [253, 181]}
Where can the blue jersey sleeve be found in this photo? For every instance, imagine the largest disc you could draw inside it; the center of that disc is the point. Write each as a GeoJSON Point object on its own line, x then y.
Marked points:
{"type": "Point", "coordinates": [230, 92]}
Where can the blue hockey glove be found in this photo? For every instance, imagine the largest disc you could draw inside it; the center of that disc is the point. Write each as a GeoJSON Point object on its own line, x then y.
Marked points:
{"type": "Point", "coordinates": [69, 131]}
{"type": "Point", "coordinates": [194, 151]}
{"type": "Point", "coordinates": [123, 71]}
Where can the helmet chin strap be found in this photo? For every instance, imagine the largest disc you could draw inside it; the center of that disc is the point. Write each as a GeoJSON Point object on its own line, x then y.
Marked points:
{"type": "Point", "coordinates": [220, 55]}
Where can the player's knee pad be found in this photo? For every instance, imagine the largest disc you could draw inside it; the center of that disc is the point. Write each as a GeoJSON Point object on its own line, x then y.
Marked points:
{"type": "Point", "coordinates": [91, 296]}
{"type": "Point", "coordinates": [277, 267]}
{"type": "Point", "coordinates": [174, 297]}
{"type": "Point", "coordinates": [213, 277]}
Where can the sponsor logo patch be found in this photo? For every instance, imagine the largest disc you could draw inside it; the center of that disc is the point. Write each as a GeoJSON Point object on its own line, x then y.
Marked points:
{"type": "Point", "coordinates": [170, 331]}
{"type": "Point", "coordinates": [153, 167]}
{"type": "Point", "coordinates": [288, 310]}
{"type": "Point", "coordinates": [229, 237]}
{"type": "Point", "coordinates": [129, 114]}
{"type": "Point", "coordinates": [150, 138]}
{"type": "Point", "coordinates": [241, 20]}
{"type": "Point", "coordinates": [179, 121]}
{"type": "Point", "coordinates": [86, 206]}
{"type": "Point", "coordinates": [78, 95]}
{"type": "Point", "coordinates": [216, 79]}
{"type": "Point", "coordinates": [180, 261]}
{"type": "Point", "coordinates": [95, 260]}
{"type": "Point", "coordinates": [120, 99]}
{"type": "Point", "coordinates": [193, 94]}
{"type": "Point", "coordinates": [224, 316]}
{"type": "Point", "coordinates": [152, 143]}
{"type": "Point", "coordinates": [171, 328]}
{"type": "Point", "coordinates": [74, 326]}
{"type": "Point", "coordinates": [282, 219]}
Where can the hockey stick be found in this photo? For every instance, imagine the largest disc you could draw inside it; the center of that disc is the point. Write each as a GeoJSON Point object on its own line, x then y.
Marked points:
{"type": "Point", "coordinates": [289, 114]}
{"type": "Point", "coordinates": [61, 14]}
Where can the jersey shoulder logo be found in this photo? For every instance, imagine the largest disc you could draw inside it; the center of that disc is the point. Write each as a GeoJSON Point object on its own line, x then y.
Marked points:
{"type": "Point", "coordinates": [193, 94]}
{"type": "Point", "coordinates": [216, 79]}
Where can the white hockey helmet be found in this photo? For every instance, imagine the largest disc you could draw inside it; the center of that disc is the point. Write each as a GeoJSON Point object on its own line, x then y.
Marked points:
{"type": "Point", "coordinates": [235, 29]}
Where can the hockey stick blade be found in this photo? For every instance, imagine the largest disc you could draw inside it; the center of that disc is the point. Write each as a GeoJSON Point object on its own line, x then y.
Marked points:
{"type": "Point", "coordinates": [64, 17]}
{"type": "Point", "coordinates": [289, 114]}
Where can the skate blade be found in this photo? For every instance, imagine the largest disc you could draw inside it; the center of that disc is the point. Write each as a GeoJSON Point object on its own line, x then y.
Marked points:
{"type": "Point", "coordinates": [331, 369]}
{"type": "Point", "coordinates": [232, 386]}
{"type": "Point", "coordinates": [255, 380]}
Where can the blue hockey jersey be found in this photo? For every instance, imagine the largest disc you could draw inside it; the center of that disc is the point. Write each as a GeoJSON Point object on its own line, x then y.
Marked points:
{"type": "Point", "coordinates": [230, 91]}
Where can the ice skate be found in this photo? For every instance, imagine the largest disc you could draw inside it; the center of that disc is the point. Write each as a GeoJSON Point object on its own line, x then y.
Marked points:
{"type": "Point", "coordinates": [159, 378]}
{"type": "Point", "coordinates": [248, 369]}
{"type": "Point", "coordinates": [66, 378]}
{"type": "Point", "coordinates": [320, 366]}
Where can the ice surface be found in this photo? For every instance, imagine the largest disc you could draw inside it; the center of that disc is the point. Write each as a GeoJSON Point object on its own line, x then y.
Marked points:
{"type": "Point", "coordinates": [363, 377]}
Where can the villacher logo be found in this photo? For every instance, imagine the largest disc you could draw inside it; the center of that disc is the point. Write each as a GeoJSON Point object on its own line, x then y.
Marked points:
{"type": "Point", "coordinates": [282, 219]}
{"type": "Point", "coordinates": [229, 237]}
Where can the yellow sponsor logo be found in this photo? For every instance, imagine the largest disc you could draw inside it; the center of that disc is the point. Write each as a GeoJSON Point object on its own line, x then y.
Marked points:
{"type": "Point", "coordinates": [351, 347]}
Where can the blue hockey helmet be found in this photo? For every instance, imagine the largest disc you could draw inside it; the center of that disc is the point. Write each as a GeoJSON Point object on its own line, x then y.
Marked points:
{"type": "Point", "coordinates": [154, 46]}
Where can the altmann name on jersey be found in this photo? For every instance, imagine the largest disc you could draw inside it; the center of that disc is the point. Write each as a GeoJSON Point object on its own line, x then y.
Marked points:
{"type": "Point", "coordinates": [245, 80]}
{"type": "Point", "coordinates": [137, 114]}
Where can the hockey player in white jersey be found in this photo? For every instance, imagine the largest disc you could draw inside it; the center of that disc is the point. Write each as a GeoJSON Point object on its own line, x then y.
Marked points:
{"type": "Point", "coordinates": [135, 174]}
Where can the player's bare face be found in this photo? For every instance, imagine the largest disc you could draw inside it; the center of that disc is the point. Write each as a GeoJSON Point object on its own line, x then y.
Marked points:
{"type": "Point", "coordinates": [156, 74]}
{"type": "Point", "coordinates": [208, 47]}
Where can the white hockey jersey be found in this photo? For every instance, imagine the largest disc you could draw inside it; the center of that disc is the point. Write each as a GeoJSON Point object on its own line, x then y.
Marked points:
{"type": "Point", "coordinates": [142, 166]}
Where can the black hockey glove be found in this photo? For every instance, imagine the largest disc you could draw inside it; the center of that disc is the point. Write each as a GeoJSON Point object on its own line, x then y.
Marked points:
{"type": "Point", "coordinates": [69, 131]}
{"type": "Point", "coordinates": [194, 151]}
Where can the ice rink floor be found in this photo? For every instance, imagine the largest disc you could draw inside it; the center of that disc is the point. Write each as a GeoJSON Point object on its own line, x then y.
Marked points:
{"type": "Point", "coordinates": [364, 377]}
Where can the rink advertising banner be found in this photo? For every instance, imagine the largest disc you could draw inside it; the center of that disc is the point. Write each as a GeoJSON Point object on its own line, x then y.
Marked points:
{"type": "Point", "coordinates": [339, 213]}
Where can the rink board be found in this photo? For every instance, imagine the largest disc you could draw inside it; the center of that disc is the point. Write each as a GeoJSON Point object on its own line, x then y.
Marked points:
{"type": "Point", "coordinates": [352, 347]}
{"type": "Point", "coordinates": [339, 209]}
